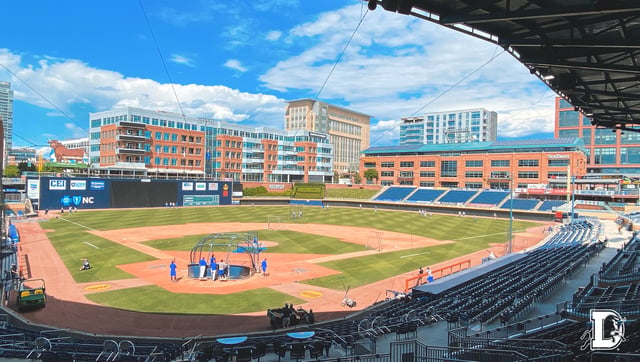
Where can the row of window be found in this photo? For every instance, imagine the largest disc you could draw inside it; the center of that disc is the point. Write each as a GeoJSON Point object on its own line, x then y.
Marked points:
{"type": "Point", "coordinates": [474, 174]}
{"type": "Point", "coordinates": [96, 123]}
{"type": "Point", "coordinates": [472, 163]}
{"type": "Point", "coordinates": [165, 136]}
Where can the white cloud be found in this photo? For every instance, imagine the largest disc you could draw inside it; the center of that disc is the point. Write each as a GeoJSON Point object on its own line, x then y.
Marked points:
{"type": "Point", "coordinates": [385, 132]}
{"type": "Point", "coordinates": [65, 83]}
{"type": "Point", "coordinates": [398, 65]}
{"type": "Point", "coordinates": [273, 35]}
{"type": "Point", "coordinates": [235, 64]}
{"type": "Point", "coordinates": [182, 59]}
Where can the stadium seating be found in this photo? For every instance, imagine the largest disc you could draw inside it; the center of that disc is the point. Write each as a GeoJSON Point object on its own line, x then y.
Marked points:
{"type": "Point", "coordinates": [548, 205]}
{"type": "Point", "coordinates": [520, 204]}
{"type": "Point", "coordinates": [457, 196]}
{"type": "Point", "coordinates": [395, 194]}
{"type": "Point", "coordinates": [489, 197]}
{"type": "Point", "coordinates": [425, 195]}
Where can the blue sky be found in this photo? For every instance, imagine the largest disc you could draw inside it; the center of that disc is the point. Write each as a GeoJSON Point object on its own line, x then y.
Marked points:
{"type": "Point", "coordinates": [241, 61]}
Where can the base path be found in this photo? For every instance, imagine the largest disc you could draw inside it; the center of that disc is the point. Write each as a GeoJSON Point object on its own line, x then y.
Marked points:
{"type": "Point", "coordinates": [67, 306]}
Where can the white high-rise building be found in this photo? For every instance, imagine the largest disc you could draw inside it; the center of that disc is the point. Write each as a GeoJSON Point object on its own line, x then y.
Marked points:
{"type": "Point", "coordinates": [6, 112]}
{"type": "Point", "coordinates": [469, 125]}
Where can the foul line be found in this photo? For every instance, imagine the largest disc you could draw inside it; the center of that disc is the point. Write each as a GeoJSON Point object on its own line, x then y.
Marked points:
{"type": "Point", "coordinates": [88, 243]}
{"type": "Point", "coordinates": [465, 238]}
{"type": "Point", "coordinates": [75, 223]}
{"type": "Point", "coordinates": [481, 236]}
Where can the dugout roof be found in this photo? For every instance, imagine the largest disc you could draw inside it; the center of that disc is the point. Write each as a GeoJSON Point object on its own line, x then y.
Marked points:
{"type": "Point", "coordinates": [587, 51]}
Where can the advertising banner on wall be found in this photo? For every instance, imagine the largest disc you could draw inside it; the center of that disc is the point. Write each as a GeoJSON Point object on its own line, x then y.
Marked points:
{"type": "Point", "coordinates": [208, 193]}
{"type": "Point", "coordinates": [33, 189]}
{"type": "Point", "coordinates": [66, 192]}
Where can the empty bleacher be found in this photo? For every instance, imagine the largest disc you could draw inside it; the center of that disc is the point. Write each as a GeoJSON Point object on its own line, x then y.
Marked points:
{"type": "Point", "coordinates": [520, 204]}
{"type": "Point", "coordinates": [394, 193]}
{"type": "Point", "coordinates": [548, 205]}
{"type": "Point", "coordinates": [425, 195]}
{"type": "Point", "coordinates": [457, 196]}
{"type": "Point", "coordinates": [489, 198]}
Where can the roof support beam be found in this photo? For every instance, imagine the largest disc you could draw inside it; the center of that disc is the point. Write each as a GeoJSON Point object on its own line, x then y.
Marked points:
{"type": "Point", "coordinates": [601, 9]}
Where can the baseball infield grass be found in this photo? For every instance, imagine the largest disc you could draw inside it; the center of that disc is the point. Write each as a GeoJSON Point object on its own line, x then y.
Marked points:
{"type": "Point", "coordinates": [291, 242]}
{"type": "Point", "coordinates": [73, 242]}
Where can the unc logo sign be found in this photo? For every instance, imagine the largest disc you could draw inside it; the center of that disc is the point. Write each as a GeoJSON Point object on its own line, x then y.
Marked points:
{"type": "Point", "coordinates": [607, 330]}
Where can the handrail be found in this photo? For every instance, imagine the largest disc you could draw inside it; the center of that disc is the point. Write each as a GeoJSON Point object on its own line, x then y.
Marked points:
{"type": "Point", "coordinates": [460, 265]}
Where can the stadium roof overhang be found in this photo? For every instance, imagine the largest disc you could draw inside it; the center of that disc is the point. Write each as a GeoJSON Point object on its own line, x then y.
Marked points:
{"type": "Point", "coordinates": [587, 51]}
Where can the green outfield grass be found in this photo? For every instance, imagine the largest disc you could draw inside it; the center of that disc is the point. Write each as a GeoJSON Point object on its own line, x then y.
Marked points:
{"type": "Point", "coordinates": [288, 242]}
{"type": "Point", "coordinates": [73, 242]}
{"type": "Point", "coordinates": [350, 193]}
{"type": "Point", "coordinates": [154, 299]}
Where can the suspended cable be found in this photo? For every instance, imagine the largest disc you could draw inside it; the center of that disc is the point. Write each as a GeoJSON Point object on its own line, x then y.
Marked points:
{"type": "Point", "coordinates": [164, 63]}
{"type": "Point", "coordinates": [44, 98]}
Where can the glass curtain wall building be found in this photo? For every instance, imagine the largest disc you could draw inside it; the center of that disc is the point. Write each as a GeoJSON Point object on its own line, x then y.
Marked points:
{"type": "Point", "coordinates": [608, 150]}
{"type": "Point", "coordinates": [470, 125]}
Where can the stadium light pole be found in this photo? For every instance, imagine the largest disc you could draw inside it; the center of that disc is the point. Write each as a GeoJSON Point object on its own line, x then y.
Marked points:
{"type": "Point", "coordinates": [509, 246]}
{"type": "Point", "coordinates": [573, 196]}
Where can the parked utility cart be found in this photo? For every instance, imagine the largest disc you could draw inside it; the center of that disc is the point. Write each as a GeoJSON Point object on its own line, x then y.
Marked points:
{"type": "Point", "coordinates": [31, 294]}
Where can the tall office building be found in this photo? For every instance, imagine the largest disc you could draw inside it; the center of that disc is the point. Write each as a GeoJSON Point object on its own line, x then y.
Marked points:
{"type": "Point", "coordinates": [6, 112]}
{"type": "Point", "coordinates": [608, 150]}
{"type": "Point", "coordinates": [348, 130]}
{"type": "Point", "coordinates": [469, 125]}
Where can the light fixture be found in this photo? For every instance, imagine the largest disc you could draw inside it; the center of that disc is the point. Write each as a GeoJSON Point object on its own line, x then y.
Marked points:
{"type": "Point", "coordinates": [548, 77]}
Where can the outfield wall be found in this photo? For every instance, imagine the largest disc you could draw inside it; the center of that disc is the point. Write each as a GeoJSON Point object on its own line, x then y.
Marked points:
{"type": "Point", "coordinates": [100, 193]}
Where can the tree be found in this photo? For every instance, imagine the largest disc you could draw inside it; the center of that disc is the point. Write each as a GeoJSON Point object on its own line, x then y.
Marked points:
{"type": "Point", "coordinates": [371, 173]}
{"type": "Point", "coordinates": [26, 166]}
{"type": "Point", "coordinates": [11, 171]}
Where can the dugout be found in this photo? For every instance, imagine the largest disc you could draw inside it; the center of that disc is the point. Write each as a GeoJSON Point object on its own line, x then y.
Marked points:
{"type": "Point", "coordinates": [102, 193]}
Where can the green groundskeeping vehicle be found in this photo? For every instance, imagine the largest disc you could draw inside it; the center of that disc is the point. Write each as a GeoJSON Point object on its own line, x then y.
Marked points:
{"type": "Point", "coordinates": [31, 294]}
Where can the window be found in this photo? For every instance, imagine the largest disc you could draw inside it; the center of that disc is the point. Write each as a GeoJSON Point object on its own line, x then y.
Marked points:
{"type": "Point", "coordinates": [387, 165]}
{"type": "Point", "coordinates": [604, 156]}
{"type": "Point", "coordinates": [568, 118]}
{"type": "Point", "coordinates": [528, 163]}
{"type": "Point", "coordinates": [158, 135]}
{"type": "Point", "coordinates": [629, 138]}
{"type": "Point", "coordinates": [386, 173]}
{"type": "Point", "coordinates": [449, 168]}
{"type": "Point", "coordinates": [427, 174]}
{"type": "Point", "coordinates": [558, 163]}
{"type": "Point", "coordinates": [605, 136]}
{"type": "Point", "coordinates": [556, 174]}
{"type": "Point", "coordinates": [406, 164]}
{"type": "Point", "coordinates": [473, 174]}
{"type": "Point", "coordinates": [367, 164]}
{"type": "Point", "coordinates": [629, 155]}
{"type": "Point", "coordinates": [473, 185]}
{"type": "Point", "coordinates": [473, 163]}
{"type": "Point", "coordinates": [174, 137]}
{"type": "Point", "coordinates": [500, 163]}
{"type": "Point", "coordinates": [166, 136]}
{"type": "Point", "coordinates": [427, 163]}
{"type": "Point", "coordinates": [527, 174]}
{"type": "Point", "coordinates": [568, 133]}
{"type": "Point", "coordinates": [426, 184]}
{"type": "Point", "coordinates": [499, 174]}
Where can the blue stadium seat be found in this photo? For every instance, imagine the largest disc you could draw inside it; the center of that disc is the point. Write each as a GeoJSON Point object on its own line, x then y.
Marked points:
{"type": "Point", "coordinates": [394, 193]}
